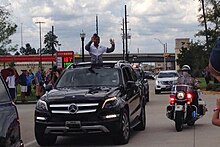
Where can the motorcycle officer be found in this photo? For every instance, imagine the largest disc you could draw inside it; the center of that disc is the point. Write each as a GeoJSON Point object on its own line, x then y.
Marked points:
{"type": "Point", "coordinates": [187, 79]}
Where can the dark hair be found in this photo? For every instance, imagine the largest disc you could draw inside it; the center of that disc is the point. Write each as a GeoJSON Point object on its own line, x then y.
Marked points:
{"type": "Point", "coordinates": [96, 35]}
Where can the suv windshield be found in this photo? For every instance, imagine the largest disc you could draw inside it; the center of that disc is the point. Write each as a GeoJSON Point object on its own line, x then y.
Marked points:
{"type": "Point", "coordinates": [89, 77]}
{"type": "Point", "coordinates": [167, 75]}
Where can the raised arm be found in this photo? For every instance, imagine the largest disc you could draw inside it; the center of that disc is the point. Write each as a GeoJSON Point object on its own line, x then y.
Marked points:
{"type": "Point", "coordinates": [215, 116]}
{"type": "Point", "coordinates": [87, 47]}
{"type": "Point", "coordinates": [112, 48]}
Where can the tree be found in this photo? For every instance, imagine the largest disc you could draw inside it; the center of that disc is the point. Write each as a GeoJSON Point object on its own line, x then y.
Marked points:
{"type": "Point", "coordinates": [213, 19]}
{"type": "Point", "coordinates": [195, 56]}
{"type": "Point", "coordinates": [7, 28]}
{"type": "Point", "coordinates": [50, 41]}
{"type": "Point", "coordinates": [28, 50]}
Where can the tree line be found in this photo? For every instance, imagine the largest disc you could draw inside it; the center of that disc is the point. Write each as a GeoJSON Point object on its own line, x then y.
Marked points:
{"type": "Point", "coordinates": [195, 54]}
{"type": "Point", "coordinates": [8, 28]}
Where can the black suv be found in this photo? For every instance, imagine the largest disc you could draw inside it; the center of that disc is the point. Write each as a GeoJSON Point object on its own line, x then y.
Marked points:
{"type": "Point", "coordinates": [10, 135]}
{"type": "Point", "coordinates": [144, 82]}
{"type": "Point", "coordinates": [87, 99]}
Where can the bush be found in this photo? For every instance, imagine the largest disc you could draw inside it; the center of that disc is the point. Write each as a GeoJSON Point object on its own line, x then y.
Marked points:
{"type": "Point", "coordinates": [213, 87]}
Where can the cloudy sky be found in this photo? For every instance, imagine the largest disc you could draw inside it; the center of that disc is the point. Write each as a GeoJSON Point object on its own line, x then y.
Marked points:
{"type": "Point", "coordinates": [148, 22]}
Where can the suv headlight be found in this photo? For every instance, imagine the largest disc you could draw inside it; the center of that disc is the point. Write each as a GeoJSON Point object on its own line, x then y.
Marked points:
{"type": "Point", "coordinates": [41, 105]}
{"type": "Point", "coordinates": [157, 82]}
{"type": "Point", "coordinates": [110, 102]}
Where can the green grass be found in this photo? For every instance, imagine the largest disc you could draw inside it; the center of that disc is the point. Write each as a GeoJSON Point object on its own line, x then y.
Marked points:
{"type": "Point", "coordinates": [32, 96]}
{"type": "Point", "coordinates": [202, 83]}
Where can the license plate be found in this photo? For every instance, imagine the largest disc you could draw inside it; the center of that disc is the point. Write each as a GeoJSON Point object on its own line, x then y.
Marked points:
{"type": "Point", "coordinates": [73, 124]}
{"type": "Point", "coordinates": [179, 108]}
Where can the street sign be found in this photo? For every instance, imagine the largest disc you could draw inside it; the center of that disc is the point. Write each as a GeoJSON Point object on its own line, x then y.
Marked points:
{"type": "Point", "coordinates": [64, 58]}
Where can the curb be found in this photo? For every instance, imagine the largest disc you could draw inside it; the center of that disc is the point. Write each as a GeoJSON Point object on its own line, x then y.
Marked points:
{"type": "Point", "coordinates": [28, 102]}
{"type": "Point", "coordinates": [211, 92]}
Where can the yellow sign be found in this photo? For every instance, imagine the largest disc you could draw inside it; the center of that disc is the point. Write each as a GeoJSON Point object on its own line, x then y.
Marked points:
{"type": "Point", "coordinates": [77, 55]}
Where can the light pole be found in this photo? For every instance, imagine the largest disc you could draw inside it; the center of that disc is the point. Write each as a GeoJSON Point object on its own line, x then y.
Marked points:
{"type": "Point", "coordinates": [164, 52]}
{"type": "Point", "coordinates": [40, 22]}
{"type": "Point", "coordinates": [82, 36]}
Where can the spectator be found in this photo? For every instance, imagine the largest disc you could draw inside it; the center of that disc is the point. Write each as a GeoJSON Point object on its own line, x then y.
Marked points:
{"type": "Point", "coordinates": [55, 75]}
{"type": "Point", "coordinates": [207, 75]}
{"type": "Point", "coordinates": [11, 84]}
{"type": "Point", "coordinates": [95, 50]}
{"type": "Point", "coordinates": [23, 85]}
{"type": "Point", "coordinates": [39, 82]}
{"type": "Point", "coordinates": [214, 68]}
{"type": "Point", "coordinates": [30, 77]}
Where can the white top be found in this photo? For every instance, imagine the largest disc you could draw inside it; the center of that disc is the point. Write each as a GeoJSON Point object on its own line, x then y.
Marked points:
{"type": "Point", "coordinates": [11, 81]}
{"type": "Point", "coordinates": [96, 53]}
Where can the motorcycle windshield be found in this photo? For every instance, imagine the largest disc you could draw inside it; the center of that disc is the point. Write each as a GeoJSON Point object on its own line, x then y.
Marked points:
{"type": "Point", "coordinates": [181, 88]}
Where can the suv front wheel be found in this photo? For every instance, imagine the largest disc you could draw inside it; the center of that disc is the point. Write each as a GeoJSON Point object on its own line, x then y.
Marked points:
{"type": "Point", "coordinates": [42, 138]}
{"type": "Point", "coordinates": [124, 132]}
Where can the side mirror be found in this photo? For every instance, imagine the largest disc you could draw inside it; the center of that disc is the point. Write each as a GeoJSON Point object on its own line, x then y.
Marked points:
{"type": "Point", "coordinates": [48, 87]}
{"type": "Point", "coordinates": [130, 84]}
{"type": "Point", "coordinates": [145, 80]}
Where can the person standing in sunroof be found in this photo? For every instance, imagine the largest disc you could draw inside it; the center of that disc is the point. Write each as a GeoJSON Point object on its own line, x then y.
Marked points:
{"type": "Point", "coordinates": [96, 50]}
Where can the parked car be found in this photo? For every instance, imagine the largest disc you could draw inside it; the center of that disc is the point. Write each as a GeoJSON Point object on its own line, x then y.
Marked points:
{"type": "Point", "coordinates": [165, 80]}
{"type": "Point", "coordinates": [10, 135]}
{"type": "Point", "coordinates": [89, 99]}
{"type": "Point", "coordinates": [149, 75]}
{"type": "Point", "coordinates": [144, 83]}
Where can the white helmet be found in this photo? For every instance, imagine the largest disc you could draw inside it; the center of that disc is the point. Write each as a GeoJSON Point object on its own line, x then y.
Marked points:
{"type": "Point", "coordinates": [185, 68]}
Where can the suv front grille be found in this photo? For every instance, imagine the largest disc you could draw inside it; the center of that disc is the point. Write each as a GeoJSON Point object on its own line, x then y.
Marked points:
{"type": "Point", "coordinates": [82, 108]}
{"type": "Point", "coordinates": [167, 82]}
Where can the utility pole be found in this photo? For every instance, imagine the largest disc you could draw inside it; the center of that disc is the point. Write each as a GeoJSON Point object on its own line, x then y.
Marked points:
{"type": "Point", "coordinates": [126, 35]}
{"type": "Point", "coordinates": [21, 36]}
{"type": "Point", "coordinates": [206, 30]}
{"type": "Point", "coordinates": [97, 25]}
{"type": "Point", "coordinates": [40, 22]}
{"type": "Point", "coordinates": [123, 38]}
{"type": "Point", "coordinates": [52, 43]}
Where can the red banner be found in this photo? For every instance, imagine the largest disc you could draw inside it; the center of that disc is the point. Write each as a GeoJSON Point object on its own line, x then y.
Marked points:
{"type": "Point", "coordinates": [27, 58]}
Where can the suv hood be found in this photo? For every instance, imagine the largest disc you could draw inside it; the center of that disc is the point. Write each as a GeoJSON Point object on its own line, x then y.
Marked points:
{"type": "Point", "coordinates": [81, 94]}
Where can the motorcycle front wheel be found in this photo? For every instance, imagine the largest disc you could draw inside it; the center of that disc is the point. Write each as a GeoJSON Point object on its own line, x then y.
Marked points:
{"type": "Point", "coordinates": [179, 121]}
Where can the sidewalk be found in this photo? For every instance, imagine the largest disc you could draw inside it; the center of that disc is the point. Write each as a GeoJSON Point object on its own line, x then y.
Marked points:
{"type": "Point", "coordinates": [28, 102]}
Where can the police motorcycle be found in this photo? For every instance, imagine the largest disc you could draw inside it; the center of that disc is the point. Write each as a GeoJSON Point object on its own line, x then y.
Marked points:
{"type": "Point", "coordinates": [182, 109]}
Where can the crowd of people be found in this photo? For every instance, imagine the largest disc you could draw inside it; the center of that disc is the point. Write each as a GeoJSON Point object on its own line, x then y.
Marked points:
{"type": "Point", "coordinates": [28, 80]}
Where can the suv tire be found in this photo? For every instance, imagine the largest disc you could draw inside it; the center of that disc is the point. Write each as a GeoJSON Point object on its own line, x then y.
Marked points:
{"type": "Point", "coordinates": [157, 91]}
{"type": "Point", "coordinates": [124, 132]}
{"type": "Point", "coordinates": [42, 138]}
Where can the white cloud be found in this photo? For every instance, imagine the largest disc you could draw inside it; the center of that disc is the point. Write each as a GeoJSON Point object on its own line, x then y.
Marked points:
{"type": "Point", "coordinates": [148, 19]}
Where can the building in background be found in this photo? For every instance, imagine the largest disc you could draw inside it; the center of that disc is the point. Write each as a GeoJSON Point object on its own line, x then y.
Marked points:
{"type": "Point", "coordinates": [179, 43]}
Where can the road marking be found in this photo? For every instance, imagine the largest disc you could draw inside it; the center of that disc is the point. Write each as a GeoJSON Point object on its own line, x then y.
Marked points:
{"type": "Point", "coordinates": [30, 143]}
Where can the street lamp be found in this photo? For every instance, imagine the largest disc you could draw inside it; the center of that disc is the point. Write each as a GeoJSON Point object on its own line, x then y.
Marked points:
{"type": "Point", "coordinates": [164, 52]}
{"type": "Point", "coordinates": [59, 46]}
{"type": "Point", "coordinates": [82, 36]}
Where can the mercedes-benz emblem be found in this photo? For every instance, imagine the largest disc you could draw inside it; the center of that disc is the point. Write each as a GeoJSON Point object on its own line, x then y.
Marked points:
{"type": "Point", "coordinates": [73, 108]}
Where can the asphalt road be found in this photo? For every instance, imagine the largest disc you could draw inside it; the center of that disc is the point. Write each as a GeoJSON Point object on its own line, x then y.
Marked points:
{"type": "Point", "coordinates": [160, 131]}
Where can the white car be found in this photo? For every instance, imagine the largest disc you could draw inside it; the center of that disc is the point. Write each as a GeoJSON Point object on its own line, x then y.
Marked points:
{"type": "Point", "coordinates": [165, 80]}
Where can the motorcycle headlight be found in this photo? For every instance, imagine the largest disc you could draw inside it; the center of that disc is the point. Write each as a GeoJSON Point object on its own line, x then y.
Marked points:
{"type": "Point", "coordinates": [180, 95]}
{"type": "Point", "coordinates": [110, 102]}
{"type": "Point", "coordinates": [41, 105]}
